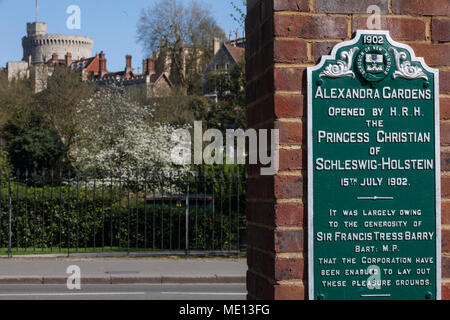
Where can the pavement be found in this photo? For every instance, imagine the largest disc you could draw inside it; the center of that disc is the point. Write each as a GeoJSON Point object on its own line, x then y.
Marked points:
{"type": "Point", "coordinates": [101, 271]}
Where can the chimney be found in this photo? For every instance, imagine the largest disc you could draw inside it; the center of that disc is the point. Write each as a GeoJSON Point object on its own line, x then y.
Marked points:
{"type": "Point", "coordinates": [102, 64]}
{"type": "Point", "coordinates": [216, 45]}
{"type": "Point", "coordinates": [128, 67]}
{"type": "Point", "coordinates": [68, 59]}
{"type": "Point", "coordinates": [148, 66]}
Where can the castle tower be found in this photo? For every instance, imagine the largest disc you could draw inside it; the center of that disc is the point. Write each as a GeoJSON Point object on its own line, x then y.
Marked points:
{"type": "Point", "coordinates": [40, 45]}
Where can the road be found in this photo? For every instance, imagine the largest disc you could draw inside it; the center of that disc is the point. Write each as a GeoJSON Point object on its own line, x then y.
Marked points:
{"type": "Point", "coordinates": [125, 292]}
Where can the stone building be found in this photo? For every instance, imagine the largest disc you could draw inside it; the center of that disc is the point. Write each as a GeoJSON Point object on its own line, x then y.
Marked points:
{"type": "Point", "coordinates": [42, 52]}
{"type": "Point", "coordinates": [41, 46]}
{"type": "Point", "coordinates": [155, 84]}
{"type": "Point", "coordinates": [226, 56]}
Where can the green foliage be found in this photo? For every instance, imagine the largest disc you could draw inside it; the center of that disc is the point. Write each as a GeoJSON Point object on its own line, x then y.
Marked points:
{"type": "Point", "coordinates": [14, 94]}
{"type": "Point", "coordinates": [178, 110]}
{"type": "Point", "coordinates": [30, 143]}
{"type": "Point", "coordinates": [5, 166]}
{"type": "Point", "coordinates": [78, 218]}
{"type": "Point", "coordinates": [229, 112]}
{"type": "Point", "coordinates": [239, 16]}
{"type": "Point", "coordinates": [59, 103]}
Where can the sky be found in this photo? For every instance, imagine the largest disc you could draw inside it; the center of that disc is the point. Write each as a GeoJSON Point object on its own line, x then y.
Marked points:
{"type": "Point", "coordinates": [111, 23]}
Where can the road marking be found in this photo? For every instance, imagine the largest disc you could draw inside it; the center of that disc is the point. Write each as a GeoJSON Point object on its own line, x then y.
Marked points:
{"type": "Point", "coordinates": [207, 293]}
{"type": "Point", "coordinates": [70, 294]}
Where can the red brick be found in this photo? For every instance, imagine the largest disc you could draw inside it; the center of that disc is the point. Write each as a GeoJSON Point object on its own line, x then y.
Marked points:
{"type": "Point", "coordinates": [291, 5]}
{"type": "Point", "coordinates": [289, 79]}
{"type": "Point", "coordinates": [445, 161]}
{"type": "Point", "coordinates": [266, 10]}
{"type": "Point", "coordinates": [308, 27]}
{"type": "Point", "coordinates": [288, 187]}
{"type": "Point", "coordinates": [290, 132]}
{"type": "Point", "coordinates": [445, 133]}
{"type": "Point", "coordinates": [289, 268]}
{"type": "Point", "coordinates": [288, 241]}
{"type": "Point", "coordinates": [421, 7]}
{"type": "Point", "coordinates": [444, 81]}
{"type": "Point", "coordinates": [258, 287]}
{"type": "Point", "coordinates": [292, 159]}
{"type": "Point", "coordinates": [400, 28]}
{"type": "Point", "coordinates": [434, 54]}
{"type": "Point", "coordinates": [280, 241]}
{"type": "Point", "coordinates": [290, 292]}
{"type": "Point", "coordinates": [276, 215]}
{"type": "Point", "coordinates": [445, 186]}
{"type": "Point", "coordinates": [289, 215]}
{"type": "Point", "coordinates": [267, 32]}
{"type": "Point", "coordinates": [445, 267]}
{"type": "Point", "coordinates": [265, 84]}
{"type": "Point", "coordinates": [260, 212]}
{"type": "Point", "coordinates": [261, 238]}
{"type": "Point", "coordinates": [293, 51]}
{"type": "Point", "coordinates": [322, 48]}
{"type": "Point", "coordinates": [261, 112]}
{"type": "Point", "coordinates": [253, 20]}
{"type": "Point", "coordinates": [275, 268]}
{"type": "Point", "coordinates": [289, 105]}
{"type": "Point", "coordinates": [440, 29]}
{"type": "Point", "coordinates": [446, 241]}
{"type": "Point", "coordinates": [260, 187]}
{"type": "Point", "coordinates": [349, 6]}
{"type": "Point", "coordinates": [446, 291]}
{"type": "Point", "coordinates": [445, 208]}
{"type": "Point", "coordinates": [444, 108]}
{"type": "Point", "coordinates": [254, 259]}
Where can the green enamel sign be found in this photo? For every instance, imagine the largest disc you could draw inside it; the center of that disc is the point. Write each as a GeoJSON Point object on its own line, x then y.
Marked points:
{"type": "Point", "coordinates": [373, 173]}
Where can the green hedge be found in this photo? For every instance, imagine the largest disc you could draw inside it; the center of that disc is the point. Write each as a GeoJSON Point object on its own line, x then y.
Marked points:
{"type": "Point", "coordinates": [62, 217]}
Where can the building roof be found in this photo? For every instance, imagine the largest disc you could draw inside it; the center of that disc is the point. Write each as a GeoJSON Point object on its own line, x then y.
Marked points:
{"type": "Point", "coordinates": [237, 53]}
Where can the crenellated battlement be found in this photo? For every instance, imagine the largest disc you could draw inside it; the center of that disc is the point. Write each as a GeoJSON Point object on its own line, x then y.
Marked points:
{"type": "Point", "coordinates": [40, 45]}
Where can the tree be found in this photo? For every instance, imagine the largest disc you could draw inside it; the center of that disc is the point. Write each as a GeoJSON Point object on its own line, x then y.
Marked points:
{"type": "Point", "coordinates": [229, 112]}
{"type": "Point", "coordinates": [118, 135]}
{"type": "Point", "coordinates": [14, 94]}
{"type": "Point", "coordinates": [183, 33]}
{"type": "Point", "coordinates": [31, 143]}
{"type": "Point", "coordinates": [5, 165]}
{"type": "Point", "coordinates": [177, 109]}
{"type": "Point", "coordinates": [239, 16]}
{"type": "Point", "coordinates": [59, 103]}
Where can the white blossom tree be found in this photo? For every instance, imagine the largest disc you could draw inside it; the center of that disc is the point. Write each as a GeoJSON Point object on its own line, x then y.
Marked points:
{"type": "Point", "coordinates": [118, 135]}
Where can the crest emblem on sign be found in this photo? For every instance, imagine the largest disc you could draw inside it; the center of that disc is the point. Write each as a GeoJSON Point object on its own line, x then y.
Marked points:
{"type": "Point", "coordinates": [374, 63]}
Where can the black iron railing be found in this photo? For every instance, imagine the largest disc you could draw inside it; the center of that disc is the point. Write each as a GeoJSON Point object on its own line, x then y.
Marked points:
{"type": "Point", "coordinates": [81, 212]}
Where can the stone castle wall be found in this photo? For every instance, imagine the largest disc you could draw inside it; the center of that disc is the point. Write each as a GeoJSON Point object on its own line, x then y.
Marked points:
{"type": "Point", "coordinates": [40, 45]}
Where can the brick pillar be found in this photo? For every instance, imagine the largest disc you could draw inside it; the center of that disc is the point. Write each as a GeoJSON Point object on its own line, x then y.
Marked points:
{"type": "Point", "coordinates": [284, 37]}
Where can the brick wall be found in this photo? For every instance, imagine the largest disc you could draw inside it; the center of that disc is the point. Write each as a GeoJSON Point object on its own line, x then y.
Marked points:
{"type": "Point", "coordinates": [284, 37]}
